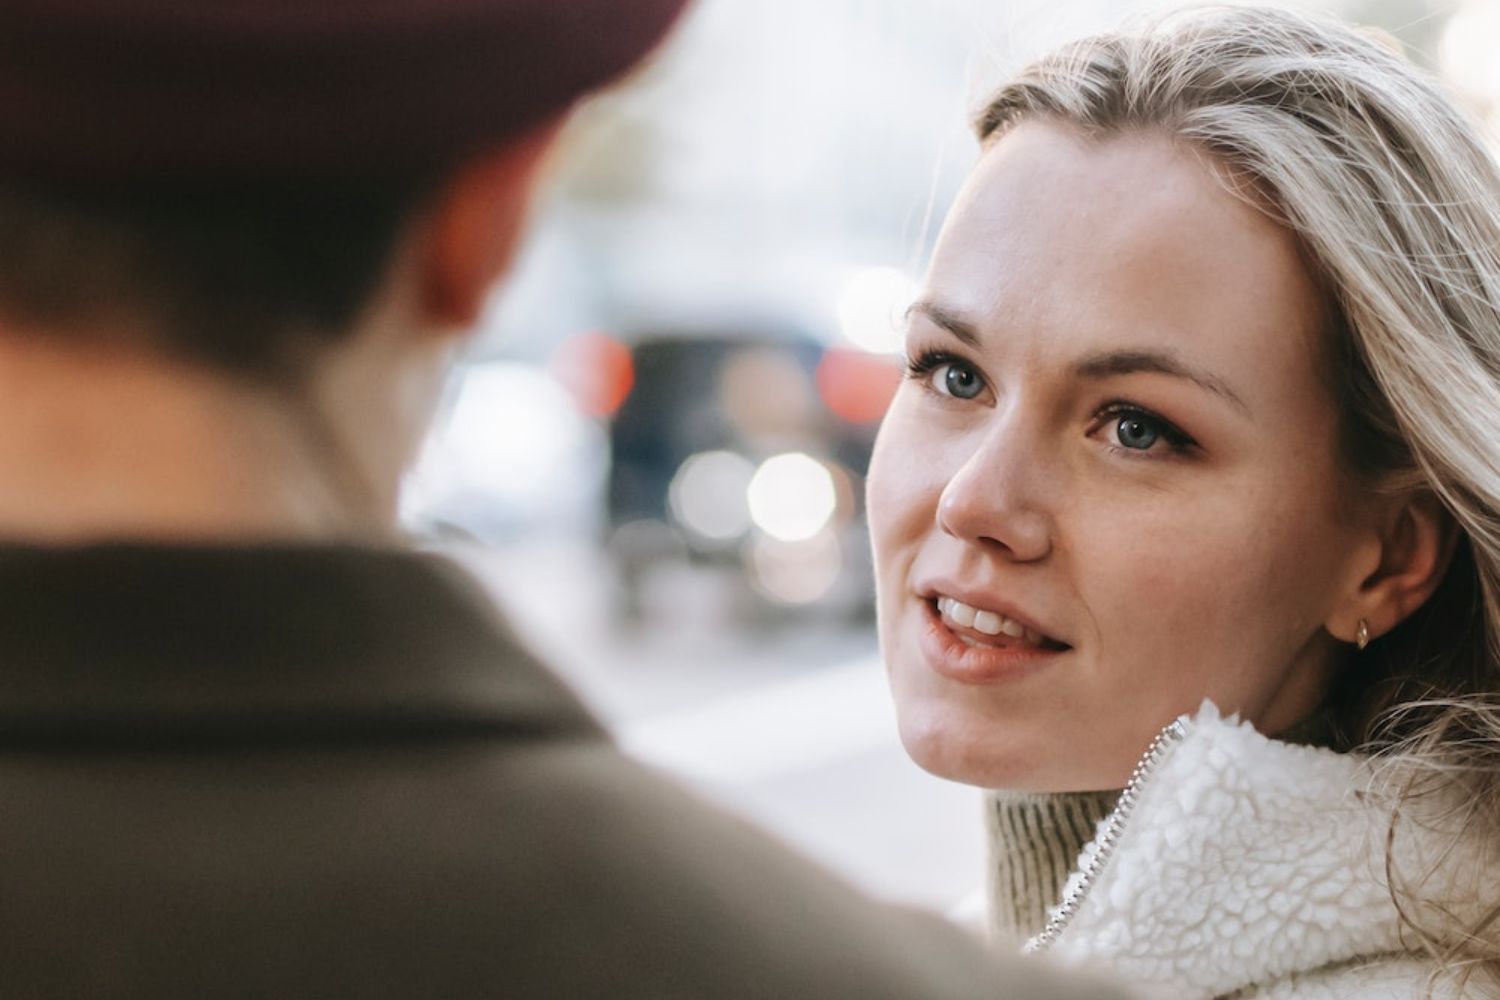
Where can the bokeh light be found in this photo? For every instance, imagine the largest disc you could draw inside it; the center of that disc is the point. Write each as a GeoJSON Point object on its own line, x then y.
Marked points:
{"type": "Point", "coordinates": [467, 474]}
{"type": "Point", "coordinates": [792, 497]}
{"type": "Point", "coordinates": [708, 495]}
{"type": "Point", "coordinates": [799, 572]}
{"type": "Point", "coordinates": [1466, 54]}
{"type": "Point", "coordinates": [856, 385]}
{"type": "Point", "coordinates": [766, 394]}
{"type": "Point", "coordinates": [597, 371]}
{"type": "Point", "coordinates": [872, 308]}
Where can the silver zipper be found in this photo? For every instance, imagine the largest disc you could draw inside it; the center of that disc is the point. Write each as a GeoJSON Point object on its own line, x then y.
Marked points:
{"type": "Point", "coordinates": [1109, 836]}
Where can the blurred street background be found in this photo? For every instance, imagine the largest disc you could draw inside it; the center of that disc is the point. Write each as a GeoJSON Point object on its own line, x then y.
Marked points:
{"type": "Point", "coordinates": [654, 455]}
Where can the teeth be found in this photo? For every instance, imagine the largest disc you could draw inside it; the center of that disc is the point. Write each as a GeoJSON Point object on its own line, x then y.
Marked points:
{"type": "Point", "coordinates": [988, 622]}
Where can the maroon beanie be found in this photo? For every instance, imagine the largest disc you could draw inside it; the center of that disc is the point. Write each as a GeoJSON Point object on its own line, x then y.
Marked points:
{"type": "Point", "coordinates": [116, 91]}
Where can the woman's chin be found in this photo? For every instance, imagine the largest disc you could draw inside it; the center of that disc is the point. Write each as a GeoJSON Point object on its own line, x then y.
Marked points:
{"type": "Point", "coordinates": [947, 751]}
{"type": "Point", "coordinates": [976, 755]}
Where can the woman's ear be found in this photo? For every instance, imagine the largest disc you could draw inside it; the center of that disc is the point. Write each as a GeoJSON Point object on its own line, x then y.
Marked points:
{"type": "Point", "coordinates": [473, 225]}
{"type": "Point", "coordinates": [1417, 540]}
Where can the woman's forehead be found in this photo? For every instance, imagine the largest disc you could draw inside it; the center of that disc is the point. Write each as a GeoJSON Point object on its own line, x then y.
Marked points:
{"type": "Point", "coordinates": [1132, 236]}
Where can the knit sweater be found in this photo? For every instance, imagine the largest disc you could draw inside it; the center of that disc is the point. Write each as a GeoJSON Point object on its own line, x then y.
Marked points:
{"type": "Point", "coordinates": [1244, 866]}
{"type": "Point", "coordinates": [1033, 842]}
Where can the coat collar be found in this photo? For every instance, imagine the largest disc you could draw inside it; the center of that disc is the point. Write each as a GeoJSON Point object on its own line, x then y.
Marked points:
{"type": "Point", "coordinates": [1245, 860]}
{"type": "Point", "coordinates": [136, 644]}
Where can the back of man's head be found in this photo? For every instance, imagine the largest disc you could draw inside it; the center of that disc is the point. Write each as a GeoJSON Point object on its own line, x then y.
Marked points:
{"type": "Point", "coordinates": [228, 186]}
{"type": "Point", "coordinates": [229, 171]}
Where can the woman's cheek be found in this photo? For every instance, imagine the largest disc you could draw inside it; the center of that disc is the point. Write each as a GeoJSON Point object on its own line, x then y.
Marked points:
{"type": "Point", "coordinates": [905, 478]}
{"type": "Point", "coordinates": [1155, 578]}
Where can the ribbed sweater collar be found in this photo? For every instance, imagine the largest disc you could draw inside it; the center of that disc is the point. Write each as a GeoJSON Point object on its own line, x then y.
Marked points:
{"type": "Point", "coordinates": [1034, 841]}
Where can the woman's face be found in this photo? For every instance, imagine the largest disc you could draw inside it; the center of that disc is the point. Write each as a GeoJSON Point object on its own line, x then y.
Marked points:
{"type": "Point", "coordinates": [1117, 440]}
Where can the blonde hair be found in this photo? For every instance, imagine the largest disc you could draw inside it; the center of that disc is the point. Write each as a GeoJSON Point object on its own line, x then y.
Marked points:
{"type": "Point", "coordinates": [1396, 203]}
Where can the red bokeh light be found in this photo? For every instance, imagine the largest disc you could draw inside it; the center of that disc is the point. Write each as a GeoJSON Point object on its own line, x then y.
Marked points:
{"type": "Point", "coordinates": [856, 385]}
{"type": "Point", "coordinates": [597, 371]}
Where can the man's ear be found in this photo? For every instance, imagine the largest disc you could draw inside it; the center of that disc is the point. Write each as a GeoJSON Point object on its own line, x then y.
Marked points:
{"type": "Point", "coordinates": [1416, 547]}
{"type": "Point", "coordinates": [473, 225]}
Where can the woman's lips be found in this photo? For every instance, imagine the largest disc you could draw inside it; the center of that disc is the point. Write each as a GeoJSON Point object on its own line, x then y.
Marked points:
{"type": "Point", "coordinates": [990, 659]}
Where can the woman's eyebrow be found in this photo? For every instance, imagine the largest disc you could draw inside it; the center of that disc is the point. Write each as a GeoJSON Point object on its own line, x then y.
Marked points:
{"type": "Point", "coordinates": [1094, 366]}
{"type": "Point", "coordinates": [1129, 362]}
{"type": "Point", "coordinates": [947, 319]}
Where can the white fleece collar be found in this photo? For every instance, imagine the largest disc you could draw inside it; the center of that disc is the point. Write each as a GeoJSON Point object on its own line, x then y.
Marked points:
{"type": "Point", "coordinates": [1243, 861]}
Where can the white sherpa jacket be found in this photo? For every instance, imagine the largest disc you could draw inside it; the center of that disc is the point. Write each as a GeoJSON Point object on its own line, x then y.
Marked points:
{"type": "Point", "coordinates": [1248, 867]}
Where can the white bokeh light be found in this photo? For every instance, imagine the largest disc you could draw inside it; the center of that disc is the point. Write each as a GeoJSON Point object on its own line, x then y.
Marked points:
{"type": "Point", "coordinates": [796, 572]}
{"type": "Point", "coordinates": [708, 493]}
{"type": "Point", "coordinates": [1467, 51]}
{"type": "Point", "coordinates": [792, 497]}
{"type": "Point", "coordinates": [467, 473]}
{"type": "Point", "coordinates": [872, 308]}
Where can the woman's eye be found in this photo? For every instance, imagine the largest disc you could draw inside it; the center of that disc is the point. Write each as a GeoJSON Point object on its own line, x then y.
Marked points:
{"type": "Point", "coordinates": [1140, 431]}
{"type": "Point", "coordinates": [946, 374]}
{"type": "Point", "coordinates": [1137, 431]}
{"type": "Point", "coordinates": [960, 380]}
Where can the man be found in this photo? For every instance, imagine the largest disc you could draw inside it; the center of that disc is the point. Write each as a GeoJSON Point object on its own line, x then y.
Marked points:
{"type": "Point", "coordinates": [251, 748]}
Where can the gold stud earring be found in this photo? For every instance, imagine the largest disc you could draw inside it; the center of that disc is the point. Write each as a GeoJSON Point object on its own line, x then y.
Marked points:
{"type": "Point", "coordinates": [1362, 635]}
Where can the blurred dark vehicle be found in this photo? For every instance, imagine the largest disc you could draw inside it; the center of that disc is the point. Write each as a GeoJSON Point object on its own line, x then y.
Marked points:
{"type": "Point", "coordinates": [743, 458]}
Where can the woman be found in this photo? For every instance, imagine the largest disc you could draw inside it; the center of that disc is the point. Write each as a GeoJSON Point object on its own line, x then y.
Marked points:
{"type": "Point", "coordinates": [1203, 416]}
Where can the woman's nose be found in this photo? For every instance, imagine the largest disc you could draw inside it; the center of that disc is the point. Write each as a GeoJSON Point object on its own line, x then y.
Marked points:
{"type": "Point", "coordinates": [992, 501]}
